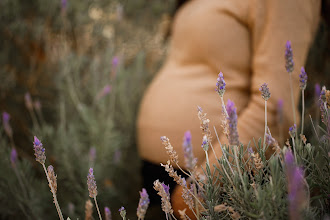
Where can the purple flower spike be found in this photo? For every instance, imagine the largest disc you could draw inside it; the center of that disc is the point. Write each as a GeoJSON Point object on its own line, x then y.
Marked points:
{"type": "Point", "coordinates": [265, 94]}
{"type": "Point", "coordinates": [122, 212]}
{"type": "Point", "coordinates": [107, 213]}
{"type": "Point", "coordinates": [221, 85]}
{"type": "Point", "coordinates": [166, 188]}
{"type": "Point", "coordinates": [295, 178]}
{"type": "Point", "coordinates": [64, 4]}
{"type": "Point", "coordinates": [293, 131]}
{"type": "Point", "coordinates": [289, 64]}
{"type": "Point", "coordinates": [39, 151]}
{"type": "Point", "coordinates": [92, 188]}
{"type": "Point", "coordinates": [92, 154]}
{"type": "Point", "coordinates": [143, 204]}
{"type": "Point", "coordinates": [13, 156]}
{"type": "Point", "coordinates": [190, 161]}
{"type": "Point", "coordinates": [232, 123]}
{"type": "Point", "coordinates": [28, 101]}
{"type": "Point", "coordinates": [280, 111]}
{"type": "Point", "coordinates": [205, 143]}
{"type": "Point", "coordinates": [303, 79]}
{"type": "Point", "coordinates": [6, 125]}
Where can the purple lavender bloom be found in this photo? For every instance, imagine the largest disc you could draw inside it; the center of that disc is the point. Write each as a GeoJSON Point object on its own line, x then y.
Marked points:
{"type": "Point", "coordinates": [295, 178]}
{"type": "Point", "coordinates": [64, 4]}
{"type": "Point", "coordinates": [190, 161]}
{"type": "Point", "coordinates": [28, 101]}
{"type": "Point", "coordinates": [143, 204]}
{"type": "Point", "coordinates": [13, 156]}
{"type": "Point", "coordinates": [250, 150]}
{"type": "Point", "coordinates": [221, 85]}
{"type": "Point", "coordinates": [265, 94]}
{"type": "Point", "coordinates": [122, 212]}
{"type": "Point", "coordinates": [6, 125]}
{"type": "Point", "coordinates": [232, 123]}
{"type": "Point", "coordinates": [92, 154]}
{"type": "Point", "coordinates": [115, 62]}
{"type": "Point", "coordinates": [92, 188]}
{"type": "Point", "coordinates": [303, 79]}
{"type": "Point", "coordinates": [293, 131]}
{"type": "Point", "coordinates": [205, 143]}
{"type": "Point", "coordinates": [280, 111]}
{"type": "Point", "coordinates": [289, 64]}
{"type": "Point", "coordinates": [107, 213]}
{"type": "Point", "coordinates": [166, 189]}
{"type": "Point", "coordinates": [39, 151]}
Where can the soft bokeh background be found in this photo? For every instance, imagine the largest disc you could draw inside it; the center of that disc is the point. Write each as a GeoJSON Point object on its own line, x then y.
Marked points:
{"type": "Point", "coordinates": [73, 73]}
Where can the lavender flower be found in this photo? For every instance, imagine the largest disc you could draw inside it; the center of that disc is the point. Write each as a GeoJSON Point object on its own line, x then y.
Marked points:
{"type": "Point", "coordinates": [232, 123]}
{"type": "Point", "coordinates": [28, 101]}
{"type": "Point", "coordinates": [13, 156]}
{"type": "Point", "coordinates": [107, 213]}
{"type": "Point", "coordinates": [190, 161]}
{"type": "Point", "coordinates": [6, 125]}
{"type": "Point", "coordinates": [164, 192]}
{"type": "Point", "coordinates": [289, 64]}
{"type": "Point", "coordinates": [92, 188]}
{"type": "Point", "coordinates": [296, 194]}
{"type": "Point", "coordinates": [293, 131]}
{"type": "Point", "coordinates": [105, 91]}
{"type": "Point", "coordinates": [52, 178]}
{"type": "Point", "coordinates": [115, 62]}
{"type": "Point", "coordinates": [205, 143]}
{"type": "Point", "coordinates": [303, 79]}
{"type": "Point", "coordinates": [122, 212]}
{"type": "Point", "coordinates": [221, 85]}
{"type": "Point", "coordinates": [39, 151]}
{"type": "Point", "coordinates": [64, 4]}
{"type": "Point", "coordinates": [143, 204]}
{"type": "Point", "coordinates": [317, 90]}
{"type": "Point", "coordinates": [92, 154]}
{"type": "Point", "coordinates": [265, 94]}
{"type": "Point", "coordinates": [280, 111]}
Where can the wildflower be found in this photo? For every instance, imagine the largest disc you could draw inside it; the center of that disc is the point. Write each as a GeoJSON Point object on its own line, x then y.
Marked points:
{"type": "Point", "coordinates": [88, 210]}
{"type": "Point", "coordinates": [164, 193]}
{"type": "Point", "coordinates": [169, 148]}
{"type": "Point", "coordinates": [303, 79]}
{"type": "Point", "coordinates": [6, 125]}
{"type": "Point", "coordinates": [293, 131]}
{"type": "Point", "coordinates": [172, 173]}
{"type": "Point", "coordinates": [280, 111]}
{"type": "Point", "coordinates": [188, 152]}
{"type": "Point", "coordinates": [317, 92]}
{"type": "Point", "coordinates": [52, 178]}
{"type": "Point", "coordinates": [296, 194]}
{"type": "Point", "coordinates": [187, 194]}
{"type": "Point", "coordinates": [122, 212]}
{"type": "Point", "coordinates": [265, 91]}
{"type": "Point", "coordinates": [13, 156]}
{"type": "Point", "coordinates": [64, 4]}
{"type": "Point", "coordinates": [107, 213]}
{"type": "Point", "coordinates": [105, 91]}
{"type": "Point", "coordinates": [205, 143]}
{"type": "Point", "coordinates": [39, 151]}
{"type": "Point", "coordinates": [92, 188]}
{"type": "Point", "coordinates": [204, 123]}
{"type": "Point", "coordinates": [28, 101]}
{"type": "Point", "coordinates": [232, 123]}
{"type": "Point", "coordinates": [289, 64]}
{"type": "Point", "coordinates": [92, 154]}
{"type": "Point", "coordinates": [143, 204]}
{"type": "Point", "coordinates": [221, 85]}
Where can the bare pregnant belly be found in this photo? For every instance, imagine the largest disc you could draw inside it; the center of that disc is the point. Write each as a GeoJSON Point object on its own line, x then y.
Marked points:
{"type": "Point", "coordinates": [169, 108]}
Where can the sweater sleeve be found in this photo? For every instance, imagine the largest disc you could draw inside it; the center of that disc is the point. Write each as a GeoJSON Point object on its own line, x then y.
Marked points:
{"type": "Point", "coordinates": [271, 24]}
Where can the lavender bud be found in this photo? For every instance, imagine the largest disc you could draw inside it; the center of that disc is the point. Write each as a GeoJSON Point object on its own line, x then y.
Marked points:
{"type": "Point", "coordinates": [6, 125]}
{"type": "Point", "coordinates": [289, 64]}
{"type": "Point", "coordinates": [279, 113]}
{"type": "Point", "coordinates": [92, 188]}
{"type": "Point", "coordinates": [28, 101]}
{"type": "Point", "coordinates": [293, 131]}
{"type": "Point", "coordinates": [205, 143]}
{"type": "Point", "coordinates": [13, 156]}
{"type": "Point", "coordinates": [232, 123]}
{"type": "Point", "coordinates": [52, 178]}
{"type": "Point", "coordinates": [265, 94]}
{"type": "Point", "coordinates": [303, 79]}
{"type": "Point", "coordinates": [188, 151]}
{"type": "Point", "coordinates": [143, 204]}
{"type": "Point", "coordinates": [221, 85]}
{"type": "Point", "coordinates": [122, 212]}
{"type": "Point", "coordinates": [107, 213]}
{"type": "Point", "coordinates": [39, 151]}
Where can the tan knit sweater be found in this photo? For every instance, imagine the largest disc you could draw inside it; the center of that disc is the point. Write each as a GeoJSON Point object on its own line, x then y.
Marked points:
{"type": "Point", "coordinates": [244, 39]}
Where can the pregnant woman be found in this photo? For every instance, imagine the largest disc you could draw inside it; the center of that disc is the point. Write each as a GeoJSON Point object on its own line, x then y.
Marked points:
{"type": "Point", "coordinates": [245, 40]}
